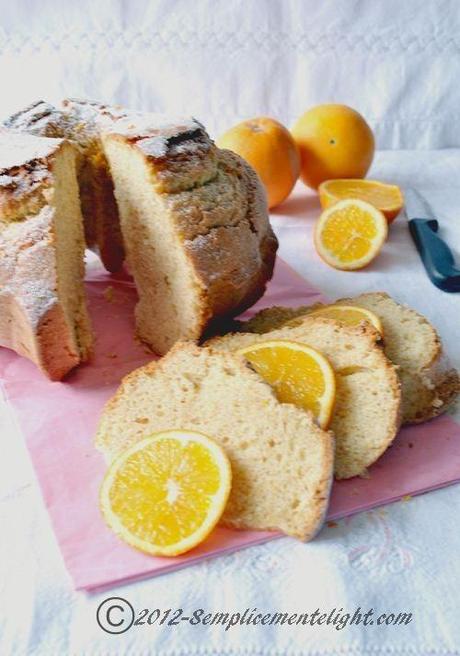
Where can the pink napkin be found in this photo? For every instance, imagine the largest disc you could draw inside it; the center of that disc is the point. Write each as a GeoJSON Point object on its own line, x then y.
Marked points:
{"type": "Point", "coordinates": [59, 420]}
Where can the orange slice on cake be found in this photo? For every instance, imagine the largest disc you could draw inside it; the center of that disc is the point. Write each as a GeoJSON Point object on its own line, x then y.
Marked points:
{"type": "Point", "coordinates": [298, 374]}
{"type": "Point", "coordinates": [351, 315]}
{"type": "Point", "coordinates": [165, 494]}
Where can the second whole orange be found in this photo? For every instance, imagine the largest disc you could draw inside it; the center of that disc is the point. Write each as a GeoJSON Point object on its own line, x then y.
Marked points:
{"type": "Point", "coordinates": [334, 141]}
{"type": "Point", "coordinates": [271, 150]}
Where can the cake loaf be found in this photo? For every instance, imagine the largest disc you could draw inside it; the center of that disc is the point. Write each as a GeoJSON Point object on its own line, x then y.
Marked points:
{"type": "Point", "coordinates": [42, 305]}
{"type": "Point", "coordinates": [191, 220]}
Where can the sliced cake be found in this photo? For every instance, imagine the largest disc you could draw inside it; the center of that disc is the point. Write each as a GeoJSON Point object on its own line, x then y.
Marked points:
{"type": "Point", "coordinates": [78, 121]}
{"type": "Point", "coordinates": [195, 227]}
{"type": "Point", "coordinates": [191, 218]}
{"type": "Point", "coordinates": [281, 460]}
{"type": "Point", "coordinates": [429, 383]}
{"type": "Point", "coordinates": [42, 304]}
{"type": "Point", "coordinates": [366, 416]}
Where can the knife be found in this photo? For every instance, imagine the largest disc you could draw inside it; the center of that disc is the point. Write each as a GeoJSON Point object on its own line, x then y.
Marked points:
{"type": "Point", "coordinates": [435, 253]}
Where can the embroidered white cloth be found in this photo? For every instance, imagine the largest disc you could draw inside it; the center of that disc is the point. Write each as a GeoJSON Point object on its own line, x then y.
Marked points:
{"type": "Point", "coordinates": [402, 558]}
{"type": "Point", "coordinates": [398, 63]}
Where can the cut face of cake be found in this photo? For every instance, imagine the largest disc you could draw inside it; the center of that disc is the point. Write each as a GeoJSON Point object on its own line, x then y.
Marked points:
{"type": "Point", "coordinates": [42, 305]}
{"type": "Point", "coordinates": [194, 223]}
{"type": "Point", "coordinates": [366, 414]}
{"type": "Point", "coordinates": [281, 460]}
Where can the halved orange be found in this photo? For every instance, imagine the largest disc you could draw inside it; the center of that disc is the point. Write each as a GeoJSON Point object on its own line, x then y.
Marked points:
{"type": "Point", "coordinates": [352, 315]}
{"type": "Point", "coordinates": [298, 374]}
{"type": "Point", "coordinates": [165, 494]}
{"type": "Point", "coordinates": [385, 197]}
{"type": "Point", "coordinates": [350, 234]}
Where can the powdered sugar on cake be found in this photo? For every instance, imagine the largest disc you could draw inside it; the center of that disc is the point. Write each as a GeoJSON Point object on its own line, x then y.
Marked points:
{"type": "Point", "coordinates": [28, 272]}
{"type": "Point", "coordinates": [19, 150]}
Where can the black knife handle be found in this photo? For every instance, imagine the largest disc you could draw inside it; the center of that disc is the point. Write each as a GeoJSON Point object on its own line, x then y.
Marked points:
{"type": "Point", "coordinates": [436, 254]}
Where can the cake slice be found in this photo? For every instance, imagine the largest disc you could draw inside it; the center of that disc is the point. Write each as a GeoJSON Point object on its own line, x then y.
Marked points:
{"type": "Point", "coordinates": [78, 121]}
{"type": "Point", "coordinates": [43, 313]}
{"type": "Point", "coordinates": [194, 224]}
{"type": "Point", "coordinates": [281, 460]}
{"type": "Point", "coordinates": [366, 415]}
{"type": "Point", "coordinates": [429, 383]}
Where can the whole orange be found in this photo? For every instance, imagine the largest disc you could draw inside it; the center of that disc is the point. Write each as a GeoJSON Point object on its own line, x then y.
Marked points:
{"type": "Point", "coordinates": [334, 142]}
{"type": "Point", "coordinates": [271, 150]}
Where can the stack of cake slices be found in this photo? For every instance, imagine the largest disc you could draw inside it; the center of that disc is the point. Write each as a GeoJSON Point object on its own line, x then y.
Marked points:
{"type": "Point", "coordinates": [282, 461]}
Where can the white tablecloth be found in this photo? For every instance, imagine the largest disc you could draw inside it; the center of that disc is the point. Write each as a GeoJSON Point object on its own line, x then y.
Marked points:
{"type": "Point", "coordinates": [400, 558]}
{"type": "Point", "coordinates": [396, 61]}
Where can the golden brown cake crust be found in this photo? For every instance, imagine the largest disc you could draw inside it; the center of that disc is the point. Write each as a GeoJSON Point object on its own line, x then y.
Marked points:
{"type": "Point", "coordinates": [24, 173]}
{"type": "Point", "coordinates": [437, 383]}
{"type": "Point", "coordinates": [234, 259]}
{"type": "Point", "coordinates": [41, 119]}
{"type": "Point", "coordinates": [57, 355]}
{"type": "Point", "coordinates": [442, 396]}
{"type": "Point", "coordinates": [179, 151]}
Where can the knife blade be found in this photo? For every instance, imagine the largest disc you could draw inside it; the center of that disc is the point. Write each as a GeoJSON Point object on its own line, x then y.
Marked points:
{"type": "Point", "coordinates": [436, 255]}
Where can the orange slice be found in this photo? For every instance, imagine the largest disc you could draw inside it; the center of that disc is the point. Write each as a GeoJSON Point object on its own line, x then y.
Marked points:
{"type": "Point", "coordinates": [385, 197]}
{"type": "Point", "coordinates": [297, 373]}
{"type": "Point", "coordinates": [349, 314]}
{"type": "Point", "coordinates": [165, 494]}
{"type": "Point", "coordinates": [350, 234]}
